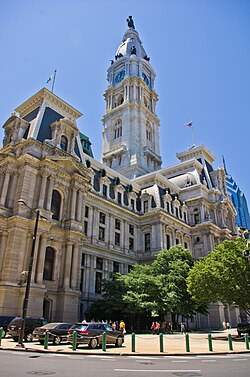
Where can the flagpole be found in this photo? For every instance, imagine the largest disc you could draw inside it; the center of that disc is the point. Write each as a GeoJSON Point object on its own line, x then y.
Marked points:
{"type": "Point", "coordinates": [193, 136]}
{"type": "Point", "coordinates": [53, 83]}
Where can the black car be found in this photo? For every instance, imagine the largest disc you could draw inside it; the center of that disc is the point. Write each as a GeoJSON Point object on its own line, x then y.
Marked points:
{"type": "Point", "coordinates": [243, 328]}
{"type": "Point", "coordinates": [30, 324]}
{"type": "Point", "coordinates": [4, 322]}
{"type": "Point", "coordinates": [91, 334]}
{"type": "Point", "coordinates": [58, 332]}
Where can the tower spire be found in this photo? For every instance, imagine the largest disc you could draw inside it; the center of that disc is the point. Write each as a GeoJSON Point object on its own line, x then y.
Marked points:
{"type": "Point", "coordinates": [224, 164]}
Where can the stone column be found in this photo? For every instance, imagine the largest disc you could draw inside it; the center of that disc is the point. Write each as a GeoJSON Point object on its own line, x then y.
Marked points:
{"type": "Point", "coordinates": [5, 188]}
{"type": "Point", "coordinates": [73, 204]}
{"type": "Point", "coordinates": [41, 259]}
{"type": "Point", "coordinates": [42, 191]}
{"type": "Point", "coordinates": [67, 266]}
{"type": "Point", "coordinates": [79, 206]}
{"type": "Point", "coordinates": [50, 189]}
{"type": "Point", "coordinates": [3, 243]}
{"type": "Point", "coordinates": [75, 264]}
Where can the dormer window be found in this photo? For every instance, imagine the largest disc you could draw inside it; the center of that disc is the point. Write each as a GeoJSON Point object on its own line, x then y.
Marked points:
{"type": "Point", "coordinates": [64, 143]}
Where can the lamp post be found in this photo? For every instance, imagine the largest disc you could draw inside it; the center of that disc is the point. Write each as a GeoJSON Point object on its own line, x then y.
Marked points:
{"type": "Point", "coordinates": [27, 290]}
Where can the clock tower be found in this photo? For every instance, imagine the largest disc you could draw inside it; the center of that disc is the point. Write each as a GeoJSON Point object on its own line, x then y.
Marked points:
{"type": "Point", "coordinates": [130, 143]}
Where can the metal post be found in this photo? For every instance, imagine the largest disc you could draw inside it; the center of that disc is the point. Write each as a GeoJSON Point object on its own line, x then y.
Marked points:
{"type": "Point", "coordinates": [230, 342]}
{"type": "Point", "coordinates": [133, 342]}
{"type": "Point", "coordinates": [74, 341]}
{"type": "Point", "coordinates": [46, 340]}
{"type": "Point", "coordinates": [104, 341]}
{"type": "Point", "coordinates": [247, 341]}
{"type": "Point", "coordinates": [161, 342]}
{"type": "Point", "coordinates": [187, 343]}
{"type": "Point", "coordinates": [1, 335]}
{"type": "Point", "coordinates": [210, 344]}
{"type": "Point", "coordinates": [27, 291]}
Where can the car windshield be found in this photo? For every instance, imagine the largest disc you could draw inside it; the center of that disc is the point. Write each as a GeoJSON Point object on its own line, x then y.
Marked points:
{"type": "Point", "coordinates": [108, 328]}
{"type": "Point", "coordinates": [50, 325]}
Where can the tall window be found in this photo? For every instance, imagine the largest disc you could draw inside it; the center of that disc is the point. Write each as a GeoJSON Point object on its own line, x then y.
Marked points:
{"type": "Point", "coordinates": [56, 205]}
{"type": "Point", "coordinates": [147, 241]}
{"type": "Point", "coordinates": [148, 132]}
{"type": "Point", "coordinates": [117, 224]}
{"type": "Point", "coordinates": [118, 129]}
{"type": "Point", "coordinates": [145, 206]}
{"type": "Point", "coordinates": [117, 239]}
{"type": "Point", "coordinates": [98, 282]}
{"type": "Point", "coordinates": [116, 266]}
{"type": "Point", "coordinates": [49, 264]}
{"type": "Point", "coordinates": [99, 263]}
{"type": "Point", "coordinates": [64, 143]}
{"type": "Point", "coordinates": [168, 241]}
{"type": "Point", "coordinates": [196, 216]}
{"type": "Point", "coordinates": [101, 235]}
{"type": "Point", "coordinates": [102, 218]}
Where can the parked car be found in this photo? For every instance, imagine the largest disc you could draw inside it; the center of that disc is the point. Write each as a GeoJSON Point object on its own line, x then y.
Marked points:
{"type": "Point", "coordinates": [4, 322]}
{"type": "Point", "coordinates": [91, 334]}
{"type": "Point", "coordinates": [30, 324]}
{"type": "Point", "coordinates": [243, 328]}
{"type": "Point", "coordinates": [58, 332]}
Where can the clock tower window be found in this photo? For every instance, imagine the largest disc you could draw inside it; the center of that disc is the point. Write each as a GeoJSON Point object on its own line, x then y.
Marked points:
{"type": "Point", "coordinates": [118, 129]}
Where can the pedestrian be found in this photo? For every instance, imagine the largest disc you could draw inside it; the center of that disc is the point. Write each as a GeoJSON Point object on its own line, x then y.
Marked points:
{"type": "Point", "coordinates": [228, 325]}
{"type": "Point", "coordinates": [224, 325]}
{"type": "Point", "coordinates": [122, 326]}
{"type": "Point", "coordinates": [114, 326]}
{"type": "Point", "coordinates": [183, 328]}
{"type": "Point", "coordinates": [153, 327]}
{"type": "Point", "coordinates": [157, 327]}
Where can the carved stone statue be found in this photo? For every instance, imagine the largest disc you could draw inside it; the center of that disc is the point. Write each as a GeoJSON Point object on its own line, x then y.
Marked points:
{"type": "Point", "coordinates": [133, 50]}
{"type": "Point", "coordinates": [130, 22]}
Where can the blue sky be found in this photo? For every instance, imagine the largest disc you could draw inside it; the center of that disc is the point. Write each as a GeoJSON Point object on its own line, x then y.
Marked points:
{"type": "Point", "coordinates": [199, 49]}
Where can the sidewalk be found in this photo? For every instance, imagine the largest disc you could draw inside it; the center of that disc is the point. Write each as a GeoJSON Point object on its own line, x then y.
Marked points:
{"type": "Point", "coordinates": [173, 344]}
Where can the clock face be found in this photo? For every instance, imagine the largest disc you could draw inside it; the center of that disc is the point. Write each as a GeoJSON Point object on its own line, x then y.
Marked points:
{"type": "Point", "coordinates": [119, 76]}
{"type": "Point", "coordinates": [145, 78]}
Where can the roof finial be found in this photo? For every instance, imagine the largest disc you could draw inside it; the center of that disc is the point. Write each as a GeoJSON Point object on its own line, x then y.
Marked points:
{"type": "Point", "coordinates": [130, 22]}
{"type": "Point", "coordinates": [224, 164]}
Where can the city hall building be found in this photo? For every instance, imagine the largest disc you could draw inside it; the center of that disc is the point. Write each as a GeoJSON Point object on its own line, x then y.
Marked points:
{"type": "Point", "coordinates": [100, 217]}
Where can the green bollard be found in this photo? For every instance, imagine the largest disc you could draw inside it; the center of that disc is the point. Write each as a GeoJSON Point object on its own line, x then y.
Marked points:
{"type": "Point", "coordinates": [187, 343]}
{"type": "Point", "coordinates": [46, 340]}
{"type": "Point", "coordinates": [247, 341]}
{"type": "Point", "coordinates": [1, 335]}
{"type": "Point", "coordinates": [104, 341]}
{"type": "Point", "coordinates": [74, 341]}
{"type": "Point", "coordinates": [230, 342]}
{"type": "Point", "coordinates": [210, 343]}
{"type": "Point", "coordinates": [133, 342]}
{"type": "Point", "coordinates": [161, 342]}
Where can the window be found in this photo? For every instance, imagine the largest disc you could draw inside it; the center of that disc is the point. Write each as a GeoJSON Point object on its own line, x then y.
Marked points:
{"type": "Point", "coordinates": [176, 212]}
{"type": "Point", "coordinates": [185, 245]}
{"type": "Point", "coordinates": [117, 239]}
{"type": "Point", "coordinates": [145, 206]}
{"type": "Point", "coordinates": [176, 241]}
{"type": "Point", "coordinates": [118, 129]}
{"type": "Point", "coordinates": [102, 218]}
{"type": "Point", "coordinates": [99, 263]}
{"type": "Point", "coordinates": [131, 243]}
{"type": "Point", "coordinates": [86, 213]}
{"type": "Point", "coordinates": [117, 224]}
{"type": "Point", "coordinates": [168, 241]}
{"type": "Point", "coordinates": [147, 241]}
{"type": "Point", "coordinates": [131, 229]}
{"type": "Point", "coordinates": [98, 282]}
{"type": "Point", "coordinates": [104, 190]}
{"type": "Point", "coordinates": [101, 235]}
{"type": "Point", "coordinates": [116, 266]}
{"type": "Point", "coordinates": [185, 217]}
{"type": "Point", "coordinates": [132, 204]}
{"type": "Point", "coordinates": [82, 280]}
{"type": "Point", "coordinates": [55, 204]}
{"type": "Point", "coordinates": [49, 263]}
{"type": "Point", "coordinates": [148, 131]}
{"type": "Point", "coordinates": [86, 227]}
{"type": "Point", "coordinates": [119, 198]}
{"type": "Point", "coordinates": [83, 260]}
{"type": "Point", "coordinates": [64, 143]}
{"type": "Point", "coordinates": [196, 216]}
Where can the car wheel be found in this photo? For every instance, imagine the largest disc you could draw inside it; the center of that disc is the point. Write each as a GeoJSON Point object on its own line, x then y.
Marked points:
{"type": "Point", "coordinates": [57, 340]}
{"type": "Point", "coordinates": [119, 341]}
{"type": "Point", "coordinates": [29, 337]}
{"type": "Point", "coordinates": [93, 343]}
{"type": "Point", "coordinates": [15, 338]}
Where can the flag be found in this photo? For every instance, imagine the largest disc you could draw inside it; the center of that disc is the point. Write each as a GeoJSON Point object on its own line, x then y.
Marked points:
{"type": "Point", "coordinates": [190, 124]}
{"type": "Point", "coordinates": [49, 79]}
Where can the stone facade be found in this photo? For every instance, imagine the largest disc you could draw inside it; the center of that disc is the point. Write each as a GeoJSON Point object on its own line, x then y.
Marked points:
{"type": "Point", "coordinates": [100, 217]}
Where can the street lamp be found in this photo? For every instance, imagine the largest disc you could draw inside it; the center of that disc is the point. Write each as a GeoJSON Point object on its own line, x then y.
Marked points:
{"type": "Point", "coordinates": [27, 290]}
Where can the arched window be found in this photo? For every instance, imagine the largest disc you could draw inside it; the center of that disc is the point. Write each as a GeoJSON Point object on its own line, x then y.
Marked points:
{"type": "Point", "coordinates": [49, 263]}
{"type": "Point", "coordinates": [64, 143]}
{"type": "Point", "coordinates": [120, 100]}
{"type": "Point", "coordinates": [56, 205]}
{"type": "Point", "coordinates": [196, 216]}
{"type": "Point", "coordinates": [118, 129]}
{"type": "Point", "coordinates": [148, 131]}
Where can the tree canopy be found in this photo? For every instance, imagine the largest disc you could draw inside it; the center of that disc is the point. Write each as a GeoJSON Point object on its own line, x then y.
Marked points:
{"type": "Point", "coordinates": [223, 275]}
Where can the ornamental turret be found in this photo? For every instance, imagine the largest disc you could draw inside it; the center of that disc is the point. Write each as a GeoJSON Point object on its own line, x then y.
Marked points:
{"type": "Point", "coordinates": [130, 126]}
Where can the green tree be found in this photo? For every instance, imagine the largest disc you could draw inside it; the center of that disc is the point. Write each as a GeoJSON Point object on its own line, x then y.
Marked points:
{"type": "Point", "coordinates": [223, 275]}
{"type": "Point", "coordinates": [172, 267]}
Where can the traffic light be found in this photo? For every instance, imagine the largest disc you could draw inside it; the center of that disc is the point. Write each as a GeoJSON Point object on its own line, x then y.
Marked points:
{"type": "Point", "coordinates": [246, 253]}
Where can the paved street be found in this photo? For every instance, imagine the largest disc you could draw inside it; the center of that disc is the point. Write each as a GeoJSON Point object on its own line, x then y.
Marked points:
{"type": "Point", "coordinates": [26, 363]}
